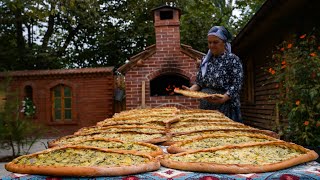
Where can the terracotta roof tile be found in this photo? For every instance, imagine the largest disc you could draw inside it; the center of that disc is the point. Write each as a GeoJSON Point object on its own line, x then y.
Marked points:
{"type": "Point", "coordinates": [58, 72]}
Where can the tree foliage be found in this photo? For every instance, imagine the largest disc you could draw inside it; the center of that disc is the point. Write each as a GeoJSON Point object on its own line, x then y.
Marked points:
{"type": "Point", "coordinates": [48, 34]}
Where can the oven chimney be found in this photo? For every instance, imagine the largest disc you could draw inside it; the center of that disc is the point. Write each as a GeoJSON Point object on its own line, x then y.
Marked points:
{"type": "Point", "coordinates": [167, 28]}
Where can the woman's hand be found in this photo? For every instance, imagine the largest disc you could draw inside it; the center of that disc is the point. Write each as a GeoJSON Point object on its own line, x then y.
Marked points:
{"type": "Point", "coordinates": [218, 100]}
{"type": "Point", "coordinates": [194, 87]}
{"type": "Point", "coordinates": [185, 87]}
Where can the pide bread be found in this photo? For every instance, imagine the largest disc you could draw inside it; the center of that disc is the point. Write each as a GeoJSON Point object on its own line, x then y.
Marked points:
{"type": "Point", "coordinates": [129, 136]}
{"type": "Point", "coordinates": [193, 111]}
{"type": "Point", "coordinates": [178, 137]}
{"type": "Point", "coordinates": [192, 121]}
{"type": "Point", "coordinates": [115, 144]}
{"type": "Point", "coordinates": [83, 161]}
{"type": "Point", "coordinates": [138, 121]}
{"type": "Point", "coordinates": [207, 126]}
{"type": "Point", "coordinates": [249, 158]}
{"type": "Point", "coordinates": [205, 114]}
{"type": "Point", "coordinates": [211, 141]}
{"type": "Point", "coordinates": [121, 128]}
{"type": "Point", "coordinates": [202, 115]}
{"type": "Point", "coordinates": [162, 111]}
{"type": "Point", "coordinates": [196, 94]}
{"type": "Point", "coordinates": [204, 140]}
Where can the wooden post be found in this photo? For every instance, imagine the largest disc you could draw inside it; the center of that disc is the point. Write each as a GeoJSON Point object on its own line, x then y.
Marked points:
{"type": "Point", "coordinates": [143, 95]}
{"type": "Point", "coordinates": [250, 81]}
{"type": "Point", "coordinates": [277, 120]}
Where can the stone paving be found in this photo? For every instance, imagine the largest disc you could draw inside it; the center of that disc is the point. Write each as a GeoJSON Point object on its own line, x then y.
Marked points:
{"type": "Point", "coordinates": [38, 146]}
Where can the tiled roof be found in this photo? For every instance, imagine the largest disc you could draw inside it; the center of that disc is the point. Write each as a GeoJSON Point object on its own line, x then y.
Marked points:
{"type": "Point", "coordinates": [58, 72]}
{"type": "Point", "coordinates": [149, 51]}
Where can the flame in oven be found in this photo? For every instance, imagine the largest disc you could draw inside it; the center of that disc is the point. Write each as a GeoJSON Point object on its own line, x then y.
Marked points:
{"type": "Point", "coordinates": [170, 89]}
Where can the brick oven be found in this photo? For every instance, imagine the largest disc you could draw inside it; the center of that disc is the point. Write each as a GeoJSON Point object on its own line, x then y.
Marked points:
{"type": "Point", "coordinates": [151, 75]}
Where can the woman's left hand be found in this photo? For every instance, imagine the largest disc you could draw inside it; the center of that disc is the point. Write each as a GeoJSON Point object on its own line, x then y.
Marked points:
{"type": "Point", "coordinates": [218, 100]}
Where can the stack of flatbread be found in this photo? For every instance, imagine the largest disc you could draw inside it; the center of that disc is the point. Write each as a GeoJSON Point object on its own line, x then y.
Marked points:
{"type": "Point", "coordinates": [197, 140]}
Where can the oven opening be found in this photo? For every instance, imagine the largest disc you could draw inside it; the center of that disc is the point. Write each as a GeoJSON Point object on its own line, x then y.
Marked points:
{"type": "Point", "coordinates": [164, 85]}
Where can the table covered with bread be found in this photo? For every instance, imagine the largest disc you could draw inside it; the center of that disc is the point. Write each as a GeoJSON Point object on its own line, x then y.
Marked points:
{"type": "Point", "coordinates": [168, 143]}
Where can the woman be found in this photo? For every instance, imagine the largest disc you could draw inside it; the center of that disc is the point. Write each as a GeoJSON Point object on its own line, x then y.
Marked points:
{"type": "Point", "coordinates": [220, 73]}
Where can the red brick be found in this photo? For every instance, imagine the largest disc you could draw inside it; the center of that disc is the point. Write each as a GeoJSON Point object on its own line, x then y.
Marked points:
{"type": "Point", "coordinates": [92, 98]}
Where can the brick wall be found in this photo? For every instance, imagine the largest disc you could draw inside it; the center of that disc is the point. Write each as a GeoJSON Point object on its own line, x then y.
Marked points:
{"type": "Point", "coordinates": [92, 99]}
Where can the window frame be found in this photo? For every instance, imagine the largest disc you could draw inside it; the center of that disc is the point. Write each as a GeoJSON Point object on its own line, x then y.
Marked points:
{"type": "Point", "coordinates": [63, 109]}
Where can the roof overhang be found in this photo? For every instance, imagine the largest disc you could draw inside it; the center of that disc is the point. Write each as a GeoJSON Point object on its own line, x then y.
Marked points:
{"type": "Point", "coordinates": [266, 23]}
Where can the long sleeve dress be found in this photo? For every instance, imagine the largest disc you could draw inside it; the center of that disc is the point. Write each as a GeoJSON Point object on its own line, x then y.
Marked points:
{"type": "Point", "coordinates": [224, 74]}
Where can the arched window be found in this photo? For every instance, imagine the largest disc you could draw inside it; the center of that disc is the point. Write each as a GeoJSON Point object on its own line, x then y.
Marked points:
{"type": "Point", "coordinates": [28, 92]}
{"type": "Point", "coordinates": [29, 108]}
{"type": "Point", "coordinates": [61, 103]}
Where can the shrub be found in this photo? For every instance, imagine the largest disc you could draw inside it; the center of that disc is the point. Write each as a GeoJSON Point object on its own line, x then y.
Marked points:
{"type": "Point", "coordinates": [296, 71]}
{"type": "Point", "coordinates": [16, 132]}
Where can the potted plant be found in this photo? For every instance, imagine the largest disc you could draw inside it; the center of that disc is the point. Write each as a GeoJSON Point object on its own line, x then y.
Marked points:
{"type": "Point", "coordinates": [28, 108]}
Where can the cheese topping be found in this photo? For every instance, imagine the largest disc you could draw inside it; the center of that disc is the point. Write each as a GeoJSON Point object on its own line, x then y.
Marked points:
{"type": "Point", "coordinates": [121, 129]}
{"type": "Point", "coordinates": [139, 120]}
{"type": "Point", "coordinates": [131, 137]}
{"type": "Point", "coordinates": [116, 145]}
{"type": "Point", "coordinates": [81, 157]}
{"type": "Point", "coordinates": [207, 123]}
{"type": "Point", "coordinates": [199, 134]}
{"type": "Point", "coordinates": [206, 127]}
{"type": "Point", "coordinates": [189, 111]}
{"type": "Point", "coordinates": [137, 112]}
{"type": "Point", "coordinates": [220, 141]}
{"type": "Point", "coordinates": [202, 115]}
{"type": "Point", "coordinates": [254, 155]}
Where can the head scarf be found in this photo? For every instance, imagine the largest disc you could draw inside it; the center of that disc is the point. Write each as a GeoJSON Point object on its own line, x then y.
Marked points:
{"type": "Point", "coordinates": [222, 33]}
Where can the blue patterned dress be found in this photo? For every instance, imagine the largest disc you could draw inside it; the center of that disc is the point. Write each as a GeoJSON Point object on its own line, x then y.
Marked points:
{"type": "Point", "coordinates": [224, 74]}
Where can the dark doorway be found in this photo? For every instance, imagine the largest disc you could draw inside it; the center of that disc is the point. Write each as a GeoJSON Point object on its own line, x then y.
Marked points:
{"type": "Point", "coordinates": [164, 85]}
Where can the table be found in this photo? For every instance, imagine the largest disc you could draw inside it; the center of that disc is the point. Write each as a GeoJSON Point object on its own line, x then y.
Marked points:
{"type": "Point", "coordinates": [306, 171]}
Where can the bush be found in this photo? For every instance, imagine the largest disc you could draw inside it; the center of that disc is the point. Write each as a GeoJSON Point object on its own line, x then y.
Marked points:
{"type": "Point", "coordinates": [296, 71]}
{"type": "Point", "coordinates": [17, 132]}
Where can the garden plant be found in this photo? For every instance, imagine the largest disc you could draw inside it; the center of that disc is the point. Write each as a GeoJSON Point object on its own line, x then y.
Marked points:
{"type": "Point", "coordinates": [296, 72]}
{"type": "Point", "coordinates": [18, 131]}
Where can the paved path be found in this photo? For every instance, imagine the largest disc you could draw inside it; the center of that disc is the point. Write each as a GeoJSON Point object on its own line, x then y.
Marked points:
{"type": "Point", "coordinates": [38, 146]}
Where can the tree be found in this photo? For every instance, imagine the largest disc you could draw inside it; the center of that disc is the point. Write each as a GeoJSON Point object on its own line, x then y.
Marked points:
{"type": "Point", "coordinates": [48, 34]}
{"type": "Point", "coordinates": [200, 16]}
{"type": "Point", "coordinates": [246, 9]}
{"type": "Point", "coordinates": [41, 32]}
